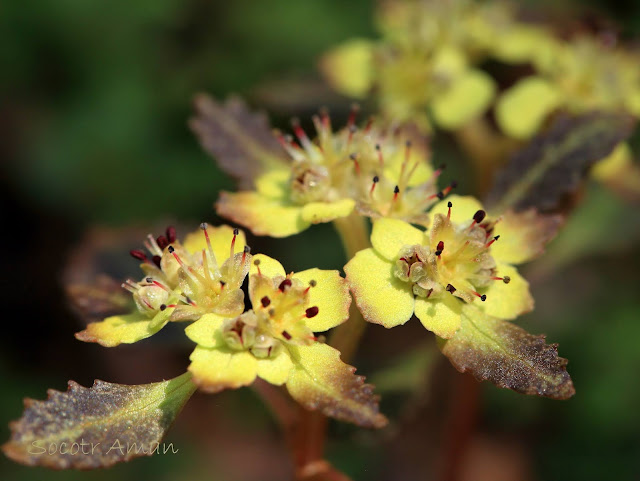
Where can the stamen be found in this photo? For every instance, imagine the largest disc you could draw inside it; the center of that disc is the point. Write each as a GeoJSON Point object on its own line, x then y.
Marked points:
{"type": "Point", "coordinates": [233, 242]}
{"type": "Point", "coordinates": [356, 164]}
{"type": "Point", "coordinates": [312, 283]}
{"type": "Point", "coordinates": [439, 248]}
{"type": "Point", "coordinates": [204, 226]}
{"type": "Point", "coordinates": [188, 270]}
{"type": "Point", "coordinates": [286, 335]}
{"type": "Point", "coordinates": [160, 285]}
{"type": "Point", "coordinates": [482, 297]}
{"type": "Point", "coordinates": [265, 301]}
{"type": "Point", "coordinates": [153, 246]}
{"type": "Point", "coordinates": [367, 128]}
{"type": "Point", "coordinates": [284, 284]}
{"type": "Point", "coordinates": [355, 108]}
{"type": "Point", "coordinates": [301, 134]}
{"type": "Point", "coordinates": [450, 288]}
{"type": "Point", "coordinates": [171, 234]}
{"type": "Point", "coordinates": [156, 261]}
{"type": "Point", "coordinates": [376, 179]}
{"type": "Point", "coordinates": [285, 142]}
{"type": "Point", "coordinates": [380, 158]}
{"type": "Point", "coordinates": [312, 312]}
{"type": "Point", "coordinates": [138, 254]}
{"type": "Point", "coordinates": [396, 192]}
{"type": "Point", "coordinates": [505, 279]}
{"type": "Point", "coordinates": [488, 244]}
{"type": "Point", "coordinates": [256, 263]}
{"type": "Point", "coordinates": [245, 251]}
{"type": "Point", "coordinates": [449, 205]}
{"type": "Point", "coordinates": [163, 307]}
{"type": "Point", "coordinates": [477, 218]}
{"type": "Point", "coordinates": [162, 242]}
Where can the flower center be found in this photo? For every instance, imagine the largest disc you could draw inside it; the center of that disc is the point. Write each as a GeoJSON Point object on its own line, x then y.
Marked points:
{"type": "Point", "coordinates": [458, 260]}
{"type": "Point", "coordinates": [281, 307]}
{"type": "Point", "coordinates": [193, 284]}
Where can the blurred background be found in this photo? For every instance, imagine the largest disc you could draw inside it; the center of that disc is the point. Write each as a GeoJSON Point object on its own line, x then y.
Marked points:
{"type": "Point", "coordinates": [95, 151]}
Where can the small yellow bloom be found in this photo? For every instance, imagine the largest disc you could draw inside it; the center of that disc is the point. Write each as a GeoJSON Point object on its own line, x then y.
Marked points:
{"type": "Point", "coordinates": [381, 172]}
{"type": "Point", "coordinates": [276, 341]}
{"type": "Point", "coordinates": [435, 274]}
{"type": "Point", "coordinates": [181, 282]}
{"type": "Point", "coordinates": [580, 75]}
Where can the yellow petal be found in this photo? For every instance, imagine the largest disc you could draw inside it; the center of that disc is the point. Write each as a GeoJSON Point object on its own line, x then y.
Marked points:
{"type": "Point", "coordinates": [275, 370]}
{"type": "Point", "coordinates": [274, 184]}
{"type": "Point", "coordinates": [220, 237]}
{"type": "Point", "coordinates": [206, 331]}
{"type": "Point", "coordinates": [466, 98]}
{"type": "Point", "coordinates": [507, 301]}
{"type": "Point", "coordinates": [263, 216]}
{"type": "Point", "coordinates": [381, 297]}
{"type": "Point", "coordinates": [390, 235]}
{"type": "Point", "coordinates": [522, 109]}
{"type": "Point", "coordinates": [463, 208]}
{"type": "Point", "coordinates": [614, 164]}
{"type": "Point", "coordinates": [317, 212]}
{"type": "Point", "coordinates": [441, 316]}
{"type": "Point", "coordinates": [524, 43]}
{"type": "Point", "coordinates": [217, 369]}
{"type": "Point", "coordinates": [331, 295]}
{"type": "Point", "coordinates": [348, 67]}
{"type": "Point", "coordinates": [268, 266]}
{"type": "Point", "coordinates": [125, 329]}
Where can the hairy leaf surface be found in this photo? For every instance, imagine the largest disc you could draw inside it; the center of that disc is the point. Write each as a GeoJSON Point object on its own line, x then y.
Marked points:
{"type": "Point", "coordinates": [320, 380]}
{"type": "Point", "coordinates": [508, 356]}
{"type": "Point", "coordinates": [555, 162]}
{"type": "Point", "coordinates": [240, 140]}
{"type": "Point", "coordinates": [86, 428]}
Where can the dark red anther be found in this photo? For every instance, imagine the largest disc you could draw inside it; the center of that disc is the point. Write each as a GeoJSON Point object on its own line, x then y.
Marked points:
{"type": "Point", "coordinates": [284, 284]}
{"type": "Point", "coordinates": [265, 301]}
{"type": "Point", "coordinates": [286, 335]}
{"type": "Point", "coordinates": [138, 254]}
{"type": "Point", "coordinates": [479, 216]}
{"type": "Point", "coordinates": [439, 248]}
{"type": "Point", "coordinates": [396, 191]}
{"type": "Point", "coordinates": [312, 312]}
{"type": "Point", "coordinates": [156, 260]}
{"type": "Point", "coordinates": [163, 307]}
{"type": "Point", "coordinates": [450, 288]}
{"type": "Point", "coordinates": [162, 242]}
{"type": "Point", "coordinates": [171, 234]}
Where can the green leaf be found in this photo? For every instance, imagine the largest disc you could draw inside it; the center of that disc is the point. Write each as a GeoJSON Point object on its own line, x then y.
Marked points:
{"type": "Point", "coordinates": [240, 140]}
{"type": "Point", "coordinates": [320, 380]}
{"type": "Point", "coordinates": [508, 356]}
{"type": "Point", "coordinates": [98, 426]}
{"type": "Point", "coordinates": [555, 162]}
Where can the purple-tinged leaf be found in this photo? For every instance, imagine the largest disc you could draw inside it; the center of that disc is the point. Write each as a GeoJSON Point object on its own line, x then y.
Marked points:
{"type": "Point", "coordinates": [87, 428]}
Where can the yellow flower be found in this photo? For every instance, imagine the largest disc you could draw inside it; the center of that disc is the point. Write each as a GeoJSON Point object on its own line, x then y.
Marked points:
{"type": "Point", "coordinates": [181, 282]}
{"type": "Point", "coordinates": [581, 75]}
{"type": "Point", "coordinates": [422, 68]}
{"type": "Point", "coordinates": [276, 342]}
{"type": "Point", "coordinates": [435, 274]}
{"type": "Point", "coordinates": [380, 172]}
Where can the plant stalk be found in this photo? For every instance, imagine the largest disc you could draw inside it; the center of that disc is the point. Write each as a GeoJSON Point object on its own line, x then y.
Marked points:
{"type": "Point", "coordinates": [312, 425]}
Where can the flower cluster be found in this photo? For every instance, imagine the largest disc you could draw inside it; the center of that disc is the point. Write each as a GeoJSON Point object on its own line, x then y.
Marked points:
{"type": "Point", "coordinates": [201, 280]}
{"type": "Point", "coordinates": [375, 170]}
